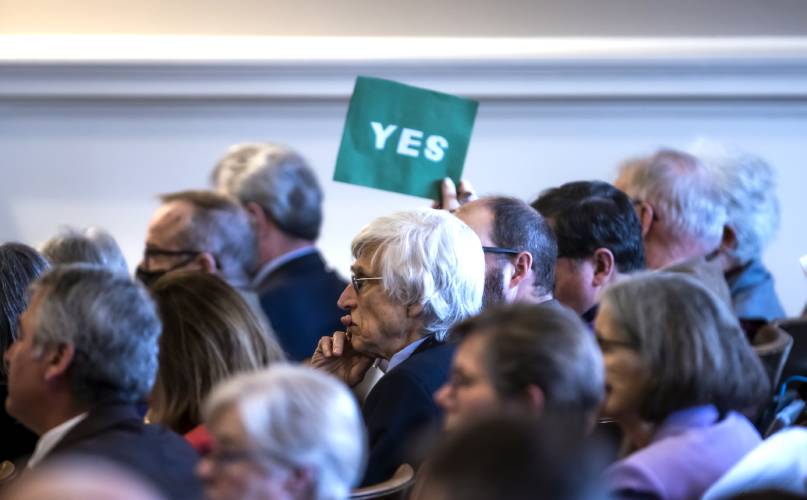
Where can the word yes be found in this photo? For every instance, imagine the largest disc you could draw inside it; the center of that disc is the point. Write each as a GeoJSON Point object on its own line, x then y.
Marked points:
{"type": "Point", "coordinates": [409, 142]}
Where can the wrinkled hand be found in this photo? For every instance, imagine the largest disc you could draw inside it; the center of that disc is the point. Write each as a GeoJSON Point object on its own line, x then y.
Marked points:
{"type": "Point", "coordinates": [335, 355]}
{"type": "Point", "coordinates": [452, 198]}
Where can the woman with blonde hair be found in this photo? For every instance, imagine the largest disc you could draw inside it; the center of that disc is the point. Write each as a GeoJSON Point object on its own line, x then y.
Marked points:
{"type": "Point", "coordinates": [209, 334]}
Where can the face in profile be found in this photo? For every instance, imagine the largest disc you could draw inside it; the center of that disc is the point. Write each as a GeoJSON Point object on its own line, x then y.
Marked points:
{"type": "Point", "coordinates": [626, 374]}
{"type": "Point", "coordinates": [378, 326]}
{"type": "Point", "coordinates": [236, 468]}
{"type": "Point", "coordinates": [469, 393]}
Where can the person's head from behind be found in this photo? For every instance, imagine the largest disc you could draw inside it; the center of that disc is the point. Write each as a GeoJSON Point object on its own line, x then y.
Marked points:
{"type": "Point", "coordinates": [87, 338]}
{"type": "Point", "coordinates": [289, 432]}
{"type": "Point", "coordinates": [670, 344]}
{"type": "Point", "coordinates": [747, 184]}
{"type": "Point", "coordinates": [20, 265]}
{"type": "Point", "coordinates": [199, 230]}
{"type": "Point", "coordinates": [523, 360]}
{"type": "Point", "coordinates": [415, 273]}
{"type": "Point", "coordinates": [599, 238]}
{"type": "Point", "coordinates": [81, 478]}
{"type": "Point", "coordinates": [209, 334]}
{"type": "Point", "coordinates": [280, 191]}
{"type": "Point", "coordinates": [512, 458]}
{"type": "Point", "coordinates": [88, 246]}
{"type": "Point", "coordinates": [678, 204]}
{"type": "Point", "coordinates": [520, 250]}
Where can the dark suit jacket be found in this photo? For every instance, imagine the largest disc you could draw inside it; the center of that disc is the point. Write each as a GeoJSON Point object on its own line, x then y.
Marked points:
{"type": "Point", "coordinates": [401, 407]}
{"type": "Point", "coordinates": [16, 441]}
{"type": "Point", "coordinates": [117, 433]}
{"type": "Point", "coordinates": [299, 298]}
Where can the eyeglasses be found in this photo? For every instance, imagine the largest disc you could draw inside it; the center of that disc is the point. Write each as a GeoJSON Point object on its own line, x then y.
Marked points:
{"type": "Point", "coordinates": [359, 282]}
{"type": "Point", "coordinates": [224, 457]}
{"type": "Point", "coordinates": [500, 250]}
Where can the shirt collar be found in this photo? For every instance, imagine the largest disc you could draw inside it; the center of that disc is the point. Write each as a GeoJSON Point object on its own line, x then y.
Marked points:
{"type": "Point", "coordinates": [273, 264]}
{"type": "Point", "coordinates": [688, 418]}
{"type": "Point", "coordinates": [51, 438]}
{"type": "Point", "coordinates": [402, 355]}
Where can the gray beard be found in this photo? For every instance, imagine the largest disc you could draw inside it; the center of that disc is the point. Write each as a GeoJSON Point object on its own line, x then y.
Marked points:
{"type": "Point", "coordinates": [494, 288]}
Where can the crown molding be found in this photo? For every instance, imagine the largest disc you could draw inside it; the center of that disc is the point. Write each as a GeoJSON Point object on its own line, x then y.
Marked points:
{"type": "Point", "coordinates": [312, 68]}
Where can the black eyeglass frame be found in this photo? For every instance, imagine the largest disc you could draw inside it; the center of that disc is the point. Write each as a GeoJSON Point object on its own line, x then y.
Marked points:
{"type": "Point", "coordinates": [501, 250]}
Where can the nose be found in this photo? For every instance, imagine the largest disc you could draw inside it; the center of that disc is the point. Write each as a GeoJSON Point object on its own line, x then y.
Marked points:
{"type": "Point", "coordinates": [204, 469]}
{"type": "Point", "coordinates": [347, 300]}
{"type": "Point", "coordinates": [441, 397]}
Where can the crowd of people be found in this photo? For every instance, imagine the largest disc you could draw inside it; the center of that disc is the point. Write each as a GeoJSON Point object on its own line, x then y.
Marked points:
{"type": "Point", "coordinates": [595, 342]}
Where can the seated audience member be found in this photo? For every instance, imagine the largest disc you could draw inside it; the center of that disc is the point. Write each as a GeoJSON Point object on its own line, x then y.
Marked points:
{"type": "Point", "coordinates": [90, 246]}
{"type": "Point", "coordinates": [678, 203]}
{"type": "Point", "coordinates": [523, 360]}
{"type": "Point", "coordinates": [599, 240]}
{"type": "Point", "coordinates": [779, 463]}
{"type": "Point", "coordinates": [19, 266]}
{"type": "Point", "coordinates": [416, 273]}
{"type": "Point", "coordinates": [209, 334]}
{"type": "Point", "coordinates": [202, 231]}
{"type": "Point", "coordinates": [85, 354]}
{"type": "Point", "coordinates": [290, 432]}
{"type": "Point", "coordinates": [520, 250]}
{"type": "Point", "coordinates": [678, 370]}
{"type": "Point", "coordinates": [748, 191]}
{"type": "Point", "coordinates": [512, 458]}
{"type": "Point", "coordinates": [81, 479]}
{"type": "Point", "coordinates": [297, 291]}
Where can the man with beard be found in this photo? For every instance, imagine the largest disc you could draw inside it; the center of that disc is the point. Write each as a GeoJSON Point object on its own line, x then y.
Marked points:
{"type": "Point", "coordinates": [520, 250]}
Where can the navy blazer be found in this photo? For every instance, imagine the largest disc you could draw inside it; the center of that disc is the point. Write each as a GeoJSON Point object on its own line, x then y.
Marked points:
{"type": "Point", "coordinates": [117, 433]}
{"type": "Point", "coordinates": [401, 407]}
{"type": "Point", "coordinates": [299, 298]}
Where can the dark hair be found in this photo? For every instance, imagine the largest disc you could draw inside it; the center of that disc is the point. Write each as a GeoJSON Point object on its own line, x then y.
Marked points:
{"type": "Point", "coordinates": [546, 345]}
{"type": "Point", "coordinates": [20, 265]}
{"type": "Point", "coordinates": [516, 225]}
{"type": "Point", "coordinates": [690, 341]}
{"type": "Point", "coordinates": [587, 215]}
{"type": "Point", "coordinates": [209, 334]}
{"type": "Point", "coordinates": [512, 458]}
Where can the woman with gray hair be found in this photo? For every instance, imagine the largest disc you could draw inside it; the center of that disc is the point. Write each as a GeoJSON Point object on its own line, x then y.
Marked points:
{"type": "Point", "coordinates": [678, 372]}
{"type": "Point", "coordinates": [416, 273]}
{"type": "Point", "coordinates": [289, 432]}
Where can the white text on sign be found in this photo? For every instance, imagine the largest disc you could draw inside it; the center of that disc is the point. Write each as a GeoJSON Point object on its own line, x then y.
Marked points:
{"type": "Point", "coordinates": [410, 141]}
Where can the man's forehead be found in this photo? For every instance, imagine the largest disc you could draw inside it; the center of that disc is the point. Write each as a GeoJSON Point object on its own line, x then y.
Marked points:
{"type": "Point", "coordinates": [479, 217]}
{"type": "Point", "coordinates": [168, 220]}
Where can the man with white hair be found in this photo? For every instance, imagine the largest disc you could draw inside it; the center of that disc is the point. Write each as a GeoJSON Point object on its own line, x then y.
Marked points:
{"type": "Point", "coordinates": [415, 274]}
{"type": "Point", "coordinates": [747, 186]}
{"type": "Point", "coordinates": [282, 195]}
{"type": "Point", "coordinates": [678, 204]}
{"type": "Point", "coordinates": [84, 358]}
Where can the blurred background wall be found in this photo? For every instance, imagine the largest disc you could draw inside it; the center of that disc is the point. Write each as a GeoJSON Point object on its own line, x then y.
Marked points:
{"type": "Point", "coordinates": [91, 132]}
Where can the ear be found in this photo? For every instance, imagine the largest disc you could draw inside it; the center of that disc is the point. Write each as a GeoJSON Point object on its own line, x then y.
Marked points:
{"type": "Point", "coordinates": [728, 243]}
{"type": "Point", "coordinates": [535, 399]}
{"type": "Point", "coordinates": [207, 262]}
{"type": "Point", "coordinates": [604, 266]}
{"type": "Point", "coordinates": [58, 359]}
{"type": "Point", "coordinates": [646, 215]}
{"type": "Point", "coordinates": [521, 269]}
{"type": "Point", "coordinates": [414, 310]}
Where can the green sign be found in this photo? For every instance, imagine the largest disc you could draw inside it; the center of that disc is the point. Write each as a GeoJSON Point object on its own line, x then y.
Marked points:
{"type": "Point", "coordinates": [403, 139]}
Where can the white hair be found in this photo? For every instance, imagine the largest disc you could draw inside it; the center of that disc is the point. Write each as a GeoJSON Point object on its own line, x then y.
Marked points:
{"type": "Point", "coordinates": [279, 180]}
{"type": "Point", "coordinates": [92, 245]}
{"type": "Point", "coordinates": [430, 258]}
{"type": "Point", "coordinates": [683, 193]}
{"type": "Point", "coordinates": [303, 417]}
{"type": "Point", "coordinates": [748, 187]}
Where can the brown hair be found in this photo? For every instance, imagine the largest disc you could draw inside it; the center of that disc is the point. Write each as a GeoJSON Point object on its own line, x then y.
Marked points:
{"type": "Point", "coordinates": [691, 341]}
{"type": "Point", "coordinates": [546, 345]}
{"type": "Point", "coordinates": [209, 334]}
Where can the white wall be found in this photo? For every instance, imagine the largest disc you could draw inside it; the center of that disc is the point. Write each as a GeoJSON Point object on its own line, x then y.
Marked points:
{"type": "Point", "coordinates": [94, 145]}
{"type": "Point", "coordinates": [527, 18]}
